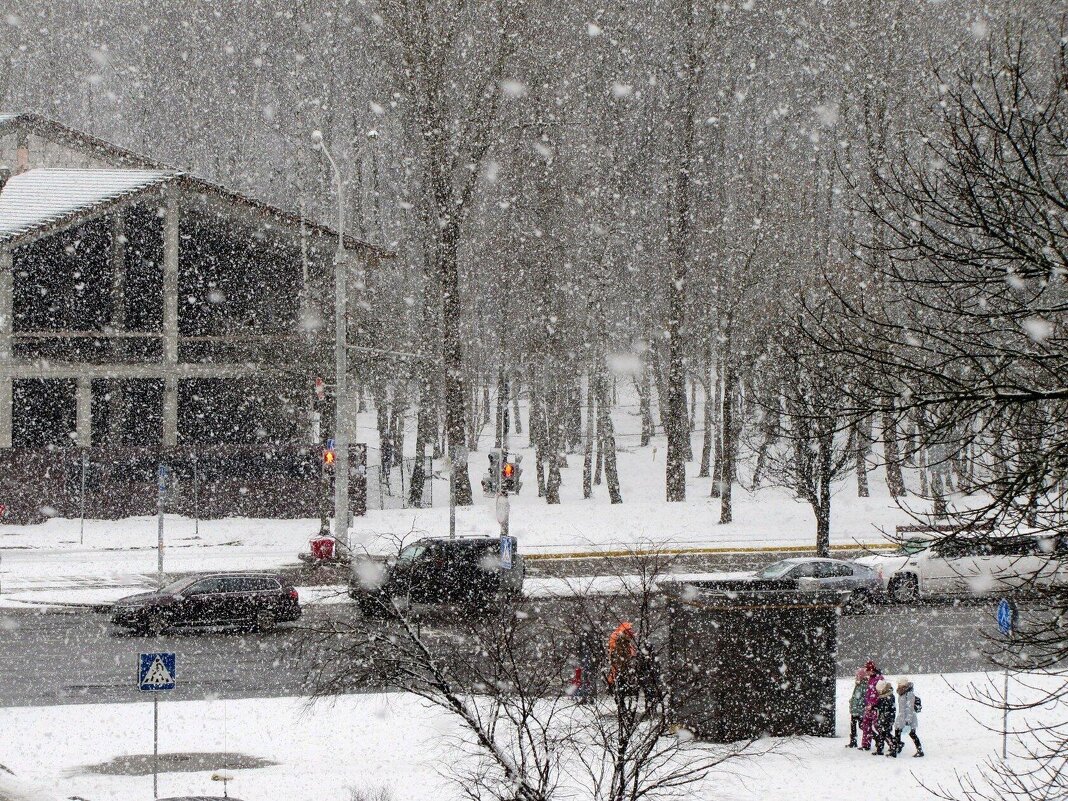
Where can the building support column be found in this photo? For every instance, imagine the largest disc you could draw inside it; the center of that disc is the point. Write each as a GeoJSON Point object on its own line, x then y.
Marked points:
{"type": "Point", "coordinates": [84, 413]}
{"type": "Point", "coordinates": [6, 308]}
{"type": "Point", "coordinates": [116, 395]}
{"type": "Point", "coordinates": [170, 323]}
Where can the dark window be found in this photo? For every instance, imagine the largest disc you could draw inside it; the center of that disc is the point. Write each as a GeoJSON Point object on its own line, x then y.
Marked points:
{"type": "Point", "coordinates": [206, 587]}
{"type": "Point", "coordinates": [249, 584]}
{"type": "Point", "coordinates": [1013, 546]}
{"type": "Point", "coordinates": [804, 570]}
{"type": "Point", "coordinates": [833, 570]}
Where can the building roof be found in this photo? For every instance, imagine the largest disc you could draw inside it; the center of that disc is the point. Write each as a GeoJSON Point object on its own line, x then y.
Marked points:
{"type": "Point", "coordinates": [16, 223]}
{"type": "Point", "coordinates": [57, 132]}
{"type": "Point", "coordinates": [46, 197]}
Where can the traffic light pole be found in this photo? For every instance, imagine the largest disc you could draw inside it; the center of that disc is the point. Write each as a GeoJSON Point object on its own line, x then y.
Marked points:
{"type": "Point", "coordinates": [503, 505]}
{"type": "Point", "coordinates": [341, 366]}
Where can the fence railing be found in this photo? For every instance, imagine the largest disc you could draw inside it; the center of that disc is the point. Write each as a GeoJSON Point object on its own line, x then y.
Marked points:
{"type": "Point", "coordinates": [206, 482]}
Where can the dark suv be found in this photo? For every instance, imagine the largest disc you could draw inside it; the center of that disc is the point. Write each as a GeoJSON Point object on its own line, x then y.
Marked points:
{"type": "Point", "coordinates": [466, 572]}
{"type": "Point", "coordinates": [255, 599]}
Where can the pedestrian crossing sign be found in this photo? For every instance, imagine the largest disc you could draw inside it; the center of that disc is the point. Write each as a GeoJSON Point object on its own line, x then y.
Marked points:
{"type": "Point", "coordinates": [156, 672]}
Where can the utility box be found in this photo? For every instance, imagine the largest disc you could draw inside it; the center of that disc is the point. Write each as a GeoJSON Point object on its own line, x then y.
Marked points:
{"type": "Point", "coordinates": [747, 659]}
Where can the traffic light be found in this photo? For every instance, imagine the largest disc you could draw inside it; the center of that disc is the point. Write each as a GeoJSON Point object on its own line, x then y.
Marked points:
{"type": "Point", "coordinates": [493, 475]}
{"type": "Point", "coordinates": [329, 456]}
{"type": "Point", "coordinates": [510, 473]}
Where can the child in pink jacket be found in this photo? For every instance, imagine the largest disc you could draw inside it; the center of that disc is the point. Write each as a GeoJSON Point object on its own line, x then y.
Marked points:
{"type": "Point", "coordinates": [871, 698]}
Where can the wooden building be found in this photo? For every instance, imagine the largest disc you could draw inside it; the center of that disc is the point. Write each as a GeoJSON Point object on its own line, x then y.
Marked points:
{"type": "Point", "coordinates": [147, 312]}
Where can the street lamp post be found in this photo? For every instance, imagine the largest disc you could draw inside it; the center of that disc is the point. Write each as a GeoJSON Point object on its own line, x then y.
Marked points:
{"type": "Point", "coordinates": [341, 420]}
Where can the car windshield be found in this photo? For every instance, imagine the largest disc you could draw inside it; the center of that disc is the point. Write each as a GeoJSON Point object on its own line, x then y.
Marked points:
{"type": "Point", "coordinates": [179, 585]}
{"type": "Point", "coordinates": [909, 547]}
{"type": "Point", "coordinates": [777, 570]}
{"type": "Point", "coordinates": [411, 553]}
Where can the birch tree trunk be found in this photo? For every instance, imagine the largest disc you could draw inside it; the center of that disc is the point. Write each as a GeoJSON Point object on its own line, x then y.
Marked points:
{"type": "Point", "coordinates": [591, 426]}
{"type": "Point", "coordinates": [608, 440]}
{"type": "Point", "coordinates": [726, 511]}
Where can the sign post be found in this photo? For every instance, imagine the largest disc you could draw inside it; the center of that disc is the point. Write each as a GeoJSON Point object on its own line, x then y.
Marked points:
{"type": "Point", "coordinates": [81, 496]}
{"type": "Point", "coordinates": [161, 499]}
{"type": "Point", "coordinates": [156, 674]}
{"type": "Point", "coordinates": [1006, 616]}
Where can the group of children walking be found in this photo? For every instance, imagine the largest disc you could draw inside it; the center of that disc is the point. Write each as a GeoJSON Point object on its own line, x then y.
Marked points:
{"type": "Point", "coordinates": [873, 710]}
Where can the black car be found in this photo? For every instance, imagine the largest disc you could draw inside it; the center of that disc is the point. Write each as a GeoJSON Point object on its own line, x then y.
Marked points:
{"type": "Point", "coordinates": [466, 572]}
{"type": "Point", "coordinates": [258, 600]}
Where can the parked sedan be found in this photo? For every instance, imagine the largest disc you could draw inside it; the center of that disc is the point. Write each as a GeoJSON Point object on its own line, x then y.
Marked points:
{"type": "Point", "coordinates": [258, 600]}
{"type": "Point", "coordinates": [830, 574]}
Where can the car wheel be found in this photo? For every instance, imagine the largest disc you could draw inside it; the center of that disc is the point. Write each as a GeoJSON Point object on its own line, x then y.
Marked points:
{"type": "Point", "coordinates": [155, 623]}
{"type": "Point", "coordinates": [264, 620]}
{"type": "Point", "coordinates": [859, 603]}
{"type": "Point", "coordinates": [905, 590]}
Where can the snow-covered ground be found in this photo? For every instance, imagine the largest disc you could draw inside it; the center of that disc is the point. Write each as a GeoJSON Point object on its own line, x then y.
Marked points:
{"type": "Point", "coordinates": [398, 742]}
{"type": "Point", "coordinates": [57, 559]}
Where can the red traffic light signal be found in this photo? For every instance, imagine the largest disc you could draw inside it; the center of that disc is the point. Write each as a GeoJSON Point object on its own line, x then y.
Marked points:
{"type": "Point", "coordinates": [508, 470]}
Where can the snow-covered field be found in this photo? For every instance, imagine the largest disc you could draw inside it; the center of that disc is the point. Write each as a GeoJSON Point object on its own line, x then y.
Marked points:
{"type": "Point", "coordinates": [397, 742]}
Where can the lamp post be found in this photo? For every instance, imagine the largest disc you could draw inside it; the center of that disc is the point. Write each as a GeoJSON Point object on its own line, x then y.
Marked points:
{"type": "Point", "coordinates": [341, 421]}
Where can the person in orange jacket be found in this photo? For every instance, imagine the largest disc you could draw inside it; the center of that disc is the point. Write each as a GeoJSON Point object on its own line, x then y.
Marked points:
{"type": "Point", "coordinates": [622, 649]}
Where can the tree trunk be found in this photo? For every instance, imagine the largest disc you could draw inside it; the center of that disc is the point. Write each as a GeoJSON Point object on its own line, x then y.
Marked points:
{"type": "Point", "coordinates": [717, 436]}
{"type": "Point", "coordinates": [536, 427]}
{"type": "Point", "coordinates": [399, 411]}
{"type": "Point", "coordinates": [573, 417]}
{"type": "Point", "coordinates": [452, 348]}
{"type": "Point", "coordinates": [660, 381]}
{"type": "Point", "coordinates": [424, 432]}
{"type": "Point", "coordinates": [608, 441]}
{"type": "Point", "coordinates": [862, 436]}
{"type": "Point", "coordinates": [645, 403]}
{"type": "Point", "coordinates": [727, 460]}
{"type": "Point", "coordinates": [501, 427]}
{"type": "Point", "coordinates": [706, 439]}
{"type": "Point", "coordinates": [385, 435]}
{"type": "Point", "coordinates": [693, 406]}
{"type": "Point", "coordinates": [824, 468]}
{"type": "Point", "coordinates": [554, 440]}
{"type": "Point", "coordinates": [771, 435]}
{"type": "Point", "coordinates": [591, 426]}
{"type": "Point", "coordinates": [514, 387]}
{"type": "Point", "coordinates": [895, 482]}
{"type": "Point", "coordinates": [922, 464]}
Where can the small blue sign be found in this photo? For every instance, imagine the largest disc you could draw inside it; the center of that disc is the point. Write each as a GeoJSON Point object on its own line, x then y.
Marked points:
{"type": "Point", "coordinates": [161, 477]}
{"type": "Point", "coordinates": [1006, 616]}
{"type": "Point", "coordinates": [507, 549]}
{"type": "Point", "coordinates": [156, 673]}
{"type": "Point", "coordinates": [330, 444]}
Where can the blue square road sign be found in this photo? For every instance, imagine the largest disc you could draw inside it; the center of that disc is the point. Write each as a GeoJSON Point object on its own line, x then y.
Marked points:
{"type": "Point", "coordinates": [156, 672]}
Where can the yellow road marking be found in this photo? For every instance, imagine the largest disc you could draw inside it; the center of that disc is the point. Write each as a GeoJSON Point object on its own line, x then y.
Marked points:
{"type": "Point", "coordinates": [726, 549]}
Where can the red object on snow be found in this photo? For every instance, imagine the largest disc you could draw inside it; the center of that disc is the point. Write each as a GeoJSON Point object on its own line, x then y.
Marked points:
{"type": "Point", "coordinates": [576, 680]}
{"type": "Point", "coordinates": [323, 548]}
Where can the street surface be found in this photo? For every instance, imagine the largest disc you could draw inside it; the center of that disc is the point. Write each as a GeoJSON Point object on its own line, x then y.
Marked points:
{"type": "Point", "coordinates": [74, 656]}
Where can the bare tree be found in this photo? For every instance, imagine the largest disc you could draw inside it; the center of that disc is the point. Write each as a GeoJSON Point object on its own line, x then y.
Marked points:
{"type": "Point", "coordinates": [503, 676]}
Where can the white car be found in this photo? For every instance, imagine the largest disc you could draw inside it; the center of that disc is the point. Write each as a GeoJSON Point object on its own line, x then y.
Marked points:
{"type": "Point", "coordinates": [925, 566]}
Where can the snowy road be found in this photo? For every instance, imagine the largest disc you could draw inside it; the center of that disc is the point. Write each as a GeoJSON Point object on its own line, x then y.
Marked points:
{"type": "Point", "coordinates": [72, 656]}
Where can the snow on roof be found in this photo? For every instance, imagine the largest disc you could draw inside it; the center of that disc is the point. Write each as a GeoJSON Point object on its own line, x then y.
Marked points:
{"type": "Point", "coordinates": [41, 197]}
